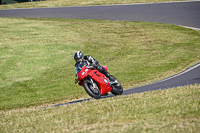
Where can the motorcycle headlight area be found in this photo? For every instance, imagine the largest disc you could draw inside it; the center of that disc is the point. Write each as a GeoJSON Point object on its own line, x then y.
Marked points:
{"type": "Point", "coordinates": [84, 72]}
{"type": "Point", "coordinates": [106, 81]}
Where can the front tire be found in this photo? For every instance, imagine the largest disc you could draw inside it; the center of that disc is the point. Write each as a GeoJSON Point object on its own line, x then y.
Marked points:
{"type": "Point", "coordinates": [117, 88]}
{"type": "Point", "coordinates": [93, 92]}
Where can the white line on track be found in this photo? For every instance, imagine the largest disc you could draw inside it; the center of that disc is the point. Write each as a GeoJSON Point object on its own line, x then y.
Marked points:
{"type": "Point", "coordinates": [187, 70]}
{"type": "Point", "coordinates": [181, 73]}
{"type": "Point", "coordinates": [190, 27]}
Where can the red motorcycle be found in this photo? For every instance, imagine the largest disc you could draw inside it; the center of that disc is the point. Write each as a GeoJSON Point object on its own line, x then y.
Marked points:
{"type": "Point", "coordinates": [95, 83]}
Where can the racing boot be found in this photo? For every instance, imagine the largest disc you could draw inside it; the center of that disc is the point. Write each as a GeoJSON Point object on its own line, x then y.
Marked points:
{"type": "Point", "coordinates": [106, 73]}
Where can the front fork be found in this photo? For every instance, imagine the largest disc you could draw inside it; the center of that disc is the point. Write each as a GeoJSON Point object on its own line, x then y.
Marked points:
{"type": "Point", "coordinates": [94, 84]}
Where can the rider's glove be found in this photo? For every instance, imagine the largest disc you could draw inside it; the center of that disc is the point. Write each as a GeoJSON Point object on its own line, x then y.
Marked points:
{"type": "Point", "coordinates": [76, 81]}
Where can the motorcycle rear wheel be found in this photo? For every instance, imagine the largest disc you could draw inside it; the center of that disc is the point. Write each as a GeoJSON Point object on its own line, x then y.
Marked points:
{"type": "Point", "coordinates": [117, 89]}
{"type": "Point", "coordinates": [88, 86]}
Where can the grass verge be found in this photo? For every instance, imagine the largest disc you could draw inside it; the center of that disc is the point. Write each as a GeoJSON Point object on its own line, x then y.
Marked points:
{"type": "Point", "coordinates": [62, 3]}
{"type": "Point", "coordinates": [37, 65]}
{"type": "Point", "coordinates": [171, 110]}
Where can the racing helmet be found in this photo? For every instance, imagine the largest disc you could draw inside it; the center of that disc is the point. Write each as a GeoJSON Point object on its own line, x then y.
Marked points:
{"type": "Point", "coordinates": [78, 55]}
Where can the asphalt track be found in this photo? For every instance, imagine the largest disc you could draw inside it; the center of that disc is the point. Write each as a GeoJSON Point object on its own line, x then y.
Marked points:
{"type": "Point", "coordinates": [179, 13]}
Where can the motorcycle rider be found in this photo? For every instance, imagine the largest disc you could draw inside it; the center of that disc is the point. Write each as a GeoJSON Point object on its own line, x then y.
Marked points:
{"type": "Point", "coordinates": [80, 58]}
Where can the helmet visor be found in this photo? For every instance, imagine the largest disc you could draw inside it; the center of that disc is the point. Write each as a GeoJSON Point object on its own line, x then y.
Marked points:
{"type": "Point", "coordinates": [77, 60]}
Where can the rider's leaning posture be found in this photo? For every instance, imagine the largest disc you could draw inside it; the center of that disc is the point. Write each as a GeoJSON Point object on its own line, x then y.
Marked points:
{"type": "Point", "coordinates": [80, 58]}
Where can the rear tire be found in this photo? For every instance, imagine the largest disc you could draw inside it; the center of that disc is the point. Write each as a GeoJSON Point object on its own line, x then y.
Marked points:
{"type": "Point", "coordinates": [117, 89]}
{"type": "Point", "coordinates": [88, 86]}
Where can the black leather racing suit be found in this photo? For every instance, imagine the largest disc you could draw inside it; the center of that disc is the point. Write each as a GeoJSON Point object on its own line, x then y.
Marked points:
{"type": "Point", "coordinates": [94, 63]}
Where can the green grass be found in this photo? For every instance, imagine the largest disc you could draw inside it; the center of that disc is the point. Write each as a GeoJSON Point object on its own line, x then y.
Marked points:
{"type": "Point", "coordinates": [37, 70]}
{"type": "Point", "coordinates": [172, 110]}
{"type": "Point", "coordinates": [37, 65]}
{"type": "Point", "coordinates": [61, 3]}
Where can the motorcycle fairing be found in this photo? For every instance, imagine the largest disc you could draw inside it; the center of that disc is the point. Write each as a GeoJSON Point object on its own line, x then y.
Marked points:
{"type": "Point", "coordinates": [104, 84]}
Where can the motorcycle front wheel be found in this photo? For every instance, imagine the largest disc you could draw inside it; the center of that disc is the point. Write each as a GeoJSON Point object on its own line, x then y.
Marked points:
{"type": "Point", "coordinates": [117, 88]}
{"type": "Point", "coordinates": [91, 90]}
